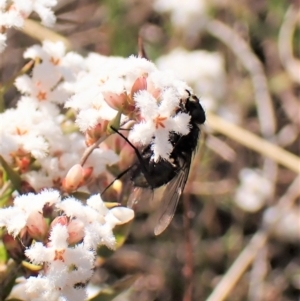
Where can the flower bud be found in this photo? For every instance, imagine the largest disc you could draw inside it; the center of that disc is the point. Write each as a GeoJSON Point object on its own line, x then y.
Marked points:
{"type": "Point", "coordinates": [155, 92]}
{"type": "Point", "coordinates": [62, 220]}
{"type": "Point", "coordinates": [114, 100]}
{"type": "Point", "coordinates": [119, 216]}
{"type": "Point", "coordinates": [36, 226]}
{"type": "Point", "coordinates": [96, 132]}
{"type": "Point", "coordinates": [139, 84]}
{"type": "Point", "coordinates": [75, 231]}
{"type": "Point", "coordinates": [87, 172]}
{"type": "Point", "coordinates": [73, 178]}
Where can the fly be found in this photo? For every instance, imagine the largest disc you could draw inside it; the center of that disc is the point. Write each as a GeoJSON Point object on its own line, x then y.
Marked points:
{"type": "Point", "coordinates": [145, 174]}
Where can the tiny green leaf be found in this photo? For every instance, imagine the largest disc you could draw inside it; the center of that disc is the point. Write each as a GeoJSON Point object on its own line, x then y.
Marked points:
{"type": "Point", "coordinates": [13, 176]}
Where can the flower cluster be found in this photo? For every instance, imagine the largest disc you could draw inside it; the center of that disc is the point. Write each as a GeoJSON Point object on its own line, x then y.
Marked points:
{"type": "Point", "coordinates": [66, 248]}
{"type": "Point", "coordinates": [136, 88]}
{"type": "Point", "coordinates": [43, 144]}
{"type": "Point", "coordinates": [14, 12]}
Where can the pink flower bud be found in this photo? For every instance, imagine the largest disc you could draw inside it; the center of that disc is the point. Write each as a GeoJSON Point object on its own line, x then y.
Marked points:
{"type": "Point", "coordinates": [87, 172]}
{"type": "Point", "coordinates": [114, 100]}
{"type": "Point", "coordinates": [153, 90]}
{"type": "Point", "coordinates": [94, 133]}
{"type": "Point", "coordinates": [62, 220]}
{"type": "Point", "coordinates": [139, 84]}
{"type": "Point", "coordinates": [73, 178]}
{"type": "Point", "coordinates": [36, 226]}
{"type": "Point", "coordinates": [76, 231]}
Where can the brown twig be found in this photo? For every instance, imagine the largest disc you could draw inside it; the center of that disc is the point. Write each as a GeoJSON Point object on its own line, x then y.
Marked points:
{"type": "Point", "coordinates": [254, 142]}
{"type": "Point", "coordinates": [285, 45]}
{"type": "Point", "coordinates": [264, 105]}
{"type": "Point", "coordinates": [188, 269]}
{"type": "Point", "coordinates": [90, 149]}
{"type": "Point", "coordinates": [141, 49]}
{"type": "Point", "coordinates": [242, 50]}
{"type": "Point", "coordinates": [41, 33]}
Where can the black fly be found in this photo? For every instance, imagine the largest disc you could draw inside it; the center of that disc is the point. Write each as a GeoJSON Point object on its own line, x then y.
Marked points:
{"type": "Point", "coordinates": [145, 174]}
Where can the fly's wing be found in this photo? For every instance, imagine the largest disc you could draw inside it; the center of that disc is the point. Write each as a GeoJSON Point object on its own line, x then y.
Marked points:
{"type": "Point", "coordinates": [139, 195]}
{"type": "Point", "coordinates": [170, 198]}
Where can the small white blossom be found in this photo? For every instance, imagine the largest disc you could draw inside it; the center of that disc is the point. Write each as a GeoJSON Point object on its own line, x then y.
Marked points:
{"type": "Point", "coordinates": [158, 120]}
{"type": "Point", "coordinates": [15, 218]}
{"type": "Point", "coordinates": [188, 15]}
{"type": "Point", "coordinates": [14, 12]}
{"type": "Point", "coordinates": [66, 266]}
{"type": "Point", "coordinates": [43, 84]}
{"type": "Point", "coordinates": [284, 222]}
{"type": "Point", "coordinates": [253, 191]}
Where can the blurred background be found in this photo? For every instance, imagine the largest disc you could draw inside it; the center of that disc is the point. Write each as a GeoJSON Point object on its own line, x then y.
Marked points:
{"type": "Point", "coordinates": [238, 238]}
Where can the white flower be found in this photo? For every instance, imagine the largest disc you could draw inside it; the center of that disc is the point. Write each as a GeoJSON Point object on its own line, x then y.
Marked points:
{"type": "Point", "coordinates": [65, 266]}
{"type": "Point", "coordinates": [14, 12]}
{"type": "Point", "coordinates": [158, 120]}
{"type": "Point", "coordinates": [54, 53]}
{"type": "Point", "coordinates": [43, 85]}
{"type": "Point", "coordinates": [253, 191]}
{"type": "Point", "coordinates": [91, 106]}
{"type": "Point", "coordinates": [285, 223]}
{"type": "Point", "coordinates": [184, 14]}
{"type": "Point", "coordinates": [41, 7]}
{"type": "Point", "coordinates": [29, 133]}
{"type": "Point", "coordinates": [97, 219]}
{"type": "Point", "coordinates": [15, 218]}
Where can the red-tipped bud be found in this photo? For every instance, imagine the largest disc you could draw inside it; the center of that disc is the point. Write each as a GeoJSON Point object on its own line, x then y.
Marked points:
{"type": "Point", "coordinates": [87, 172]}
{"type": "Point", "coordinates": [36, 226]}
{"type": "Point", "coordinates": [73, 178]}
{"type": "Point", "coordinates": [94, 133]}
{"type": "Point", "coordinates": [139, 84]}
{"type": "Point", "coordinates": [76, 231]}
{"type": "Point", "coordinates": [62, 220]}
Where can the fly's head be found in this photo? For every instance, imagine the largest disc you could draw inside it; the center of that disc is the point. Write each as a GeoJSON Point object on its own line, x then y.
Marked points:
{"type": "Point", "coordinates": [193, 107]}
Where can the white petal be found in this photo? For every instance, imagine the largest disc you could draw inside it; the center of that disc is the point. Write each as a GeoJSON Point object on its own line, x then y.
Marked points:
{"type": "Point", "coordinates": [142, 133]}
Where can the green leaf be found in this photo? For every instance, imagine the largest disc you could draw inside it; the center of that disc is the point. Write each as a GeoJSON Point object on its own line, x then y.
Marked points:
{"type": "Point", "coordinates": [118, 288]}
{"type": "Point", "coordinates": [6, 197]}
{"type": "Point", "coordinates": [13, 176]}
{"type": "Point", "coordinates": [3, 253]}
